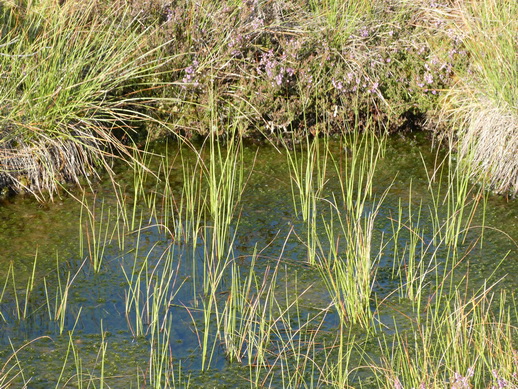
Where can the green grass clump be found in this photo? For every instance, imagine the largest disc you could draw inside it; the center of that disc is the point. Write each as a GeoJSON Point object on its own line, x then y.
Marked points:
{"type": "Point", "coordinates": [70, 74]}
{"type": "Point", "coordinates": [482, 107]}
{"type": "Point", "coordinates": [463, 343]}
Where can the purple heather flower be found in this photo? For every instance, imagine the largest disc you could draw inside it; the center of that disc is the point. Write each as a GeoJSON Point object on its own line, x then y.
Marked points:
{"type": "Point", "coordinates": [338, 85]}
{"type": "Point", "coordinates": [374, 87]}
{"type": "Point", "coordinates": [306, 76]}
{"type": "Point", "coordinates": [168, 15]}
{"type": "Point", "coordinates": [502, 383]}
{"type": "Point", "coordinates": [189, 73]}
{"type": "Point", "coordinates": [192, 68]}
{"type": "Point", "coordinates": [269, 69]}
{"type": "Point", "coordinates": [257, 22]}
{"type": "Point", "coordinates": [461, 382]}
{"type": "Point", "coordinates": [452, 53]}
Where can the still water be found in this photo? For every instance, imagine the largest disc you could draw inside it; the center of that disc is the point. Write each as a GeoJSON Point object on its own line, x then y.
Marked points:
{"type": "Point", "coordinates": [78, 318]}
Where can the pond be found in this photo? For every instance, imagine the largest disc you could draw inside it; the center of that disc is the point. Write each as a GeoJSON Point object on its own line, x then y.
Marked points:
{"type": "Point", "coordinates": [364, 261]}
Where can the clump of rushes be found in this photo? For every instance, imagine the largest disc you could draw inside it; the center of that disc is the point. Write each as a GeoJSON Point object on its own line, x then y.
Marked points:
{"type": "Point", "coordinates": [482, 108]}
{"type": "Point", "coordinates": [69, 92]}
{"type": "Point", "coordinates": [463, 345]}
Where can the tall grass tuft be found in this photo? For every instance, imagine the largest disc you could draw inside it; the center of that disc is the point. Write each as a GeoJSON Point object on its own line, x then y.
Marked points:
{"type": "Point", "coordinates": [308, 178]}
{"type": "Point", "coordinates": [482, 107]}
{"type": "Point", "coordinates": [70, 90]}
{"type": "Point", "coordinates": [467, 342]}
{"type": "Point", "coordinates": [347, 262]}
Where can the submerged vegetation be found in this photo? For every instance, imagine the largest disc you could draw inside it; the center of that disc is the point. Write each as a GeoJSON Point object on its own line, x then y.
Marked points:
{"type": "Point", "coordinates": [359, 282]}
{"type": "Point", "coordinates": [361, 286]}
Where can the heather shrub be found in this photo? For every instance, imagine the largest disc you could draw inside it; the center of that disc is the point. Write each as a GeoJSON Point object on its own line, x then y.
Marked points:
{"type": "Point", "coordinates": [294, 67]}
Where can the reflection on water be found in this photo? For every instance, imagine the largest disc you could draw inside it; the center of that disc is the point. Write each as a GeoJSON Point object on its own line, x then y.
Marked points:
{"type": "Point", "coordinates": [267, 224]}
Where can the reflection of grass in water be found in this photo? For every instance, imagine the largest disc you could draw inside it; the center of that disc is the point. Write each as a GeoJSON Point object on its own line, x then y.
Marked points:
{"type": "Point", "coordinates": [258, 316]}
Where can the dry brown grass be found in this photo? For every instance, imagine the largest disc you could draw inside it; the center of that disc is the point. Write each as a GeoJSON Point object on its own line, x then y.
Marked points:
{"type": "Point", "coordinates": [488, 137]}
{"type": "Point", "coordinates": [480, 111]}
{"type": "Point", "coordinates": [41, 166]}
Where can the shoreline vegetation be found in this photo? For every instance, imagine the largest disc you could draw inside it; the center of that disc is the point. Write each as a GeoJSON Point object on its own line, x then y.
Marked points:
{"type": "Point", "coordinates": [341, 258]}
{"type": "Point", "coordinates": [83, 82]}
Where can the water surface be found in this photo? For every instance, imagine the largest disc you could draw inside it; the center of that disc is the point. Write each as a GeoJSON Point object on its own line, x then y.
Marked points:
{"type": "Point", "coordinates": [266, 222]}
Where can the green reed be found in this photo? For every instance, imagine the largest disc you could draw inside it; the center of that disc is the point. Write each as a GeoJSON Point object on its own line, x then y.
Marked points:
{"type": "Point", "coordinates": [247, 314]}
{"type": "Point", "coordinates": [460, 198]}
{"type": "Point", "coordinates": [282, 340]}
{"type": "Point", "coordinates": [356, 168]}
{"type": "Point", "coordinates": [239, 310]}
{"type": "Point", "coordinates": [346, 262]}
{"type": "Point", "coordinates": [214, 272]}
{"type": "Point", "coordinates": [151, 288]}
{"type": "Point", "coordinates": [213, 189]}
{"type": "Point", "coordinates": [191, 204]}
{"type": "Point", "coordinates": [161, 374]}
{"type": "Point", "coordinates": [20, 308]}
{"type": "Point", "coordinates": [99, 231]}
{"type": "Point", "coordinates": [409, 264]}
{"type": "Point", "coordinates": [467, 341]}
{"type": "Point", "coordinates": [58, 308]}
{"type": "Point", "coordinates": [225, 185]}
{"type": "Point", "coordinates": [349, 272]}
{"type": "Point", "coordinates": [308, 177]}
{"type": "Point", "coordinates": [90, 374]}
